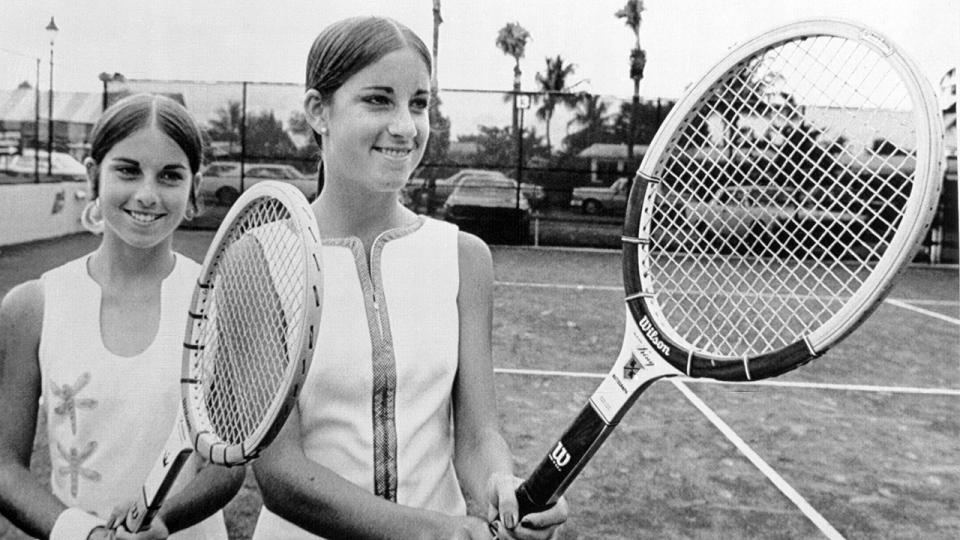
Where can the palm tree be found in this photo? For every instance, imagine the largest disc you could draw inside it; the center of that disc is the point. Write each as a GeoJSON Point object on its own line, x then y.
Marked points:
{"type": "Point", "coordinates": [437, 20]}
{"type": "Point", "coordinates": [551, 83]}
{"type": "Point", "coordinates": [630, 12]}
{"type": "Point", "coordinates": [590, 119]}
{"type": "Point", "coordinates": [227, 125]}
{"type": "Point", "coordinates": [512, 40]}
{"type": "Point", "coordinates": [439, 142]}
{"type": "Point", "coordinates": [591, 112]}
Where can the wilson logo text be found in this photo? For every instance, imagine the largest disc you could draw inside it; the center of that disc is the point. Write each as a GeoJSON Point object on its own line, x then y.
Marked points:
{"type": "Point", "coordinates": [653, 336]}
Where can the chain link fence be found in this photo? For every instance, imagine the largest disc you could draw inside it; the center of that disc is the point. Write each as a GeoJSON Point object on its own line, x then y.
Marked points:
{"type": "Point", "coordinates": [547, 168]}
{"type": "Point", "coordinates": [514, 167]}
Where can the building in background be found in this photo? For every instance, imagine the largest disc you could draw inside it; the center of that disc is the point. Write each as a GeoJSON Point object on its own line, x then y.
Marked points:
{"type": "Point", "coordinates": [74, 114]}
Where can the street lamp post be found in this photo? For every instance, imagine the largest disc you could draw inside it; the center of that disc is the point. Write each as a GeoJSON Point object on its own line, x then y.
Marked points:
{"type": "Point", "coordinates": [52, 32]}
{"type": "Point", "coordinates": [36, 127]}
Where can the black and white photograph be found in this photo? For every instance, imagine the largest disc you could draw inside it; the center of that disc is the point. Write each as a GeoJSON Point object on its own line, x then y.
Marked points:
{"type": "Point", "coordinates": [523, 270]}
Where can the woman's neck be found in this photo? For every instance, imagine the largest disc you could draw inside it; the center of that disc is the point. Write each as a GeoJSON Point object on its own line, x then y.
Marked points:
{"type": "Point", "coordinates": [364, 216]}
{"type": "Point", "coordinates": [117, 262]}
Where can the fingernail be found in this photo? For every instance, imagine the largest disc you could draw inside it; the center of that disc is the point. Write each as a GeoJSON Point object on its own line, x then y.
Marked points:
{"type": "Point", "coordinates": [510, 520]}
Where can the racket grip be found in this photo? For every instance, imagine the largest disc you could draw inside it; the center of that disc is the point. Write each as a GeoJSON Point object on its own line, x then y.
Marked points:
{"type": "Point", "coordinates": [527, 504]}
{"type": "Point", "coordinates": [541, 490]}
{"type": "Point", "coordinates": [161, 477]}
{"type": "Point", "coordinates": [564, 462]}
{"type": "Point", "coordinates": [143, 511]}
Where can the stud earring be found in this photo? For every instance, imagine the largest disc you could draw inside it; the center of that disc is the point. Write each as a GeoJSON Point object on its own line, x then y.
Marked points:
{"type": "Point", "coordinates": [324, 130]}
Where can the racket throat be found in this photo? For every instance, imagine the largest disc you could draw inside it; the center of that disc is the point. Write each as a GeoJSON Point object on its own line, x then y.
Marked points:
{"type": "Point", "coordinates": [638, 366]}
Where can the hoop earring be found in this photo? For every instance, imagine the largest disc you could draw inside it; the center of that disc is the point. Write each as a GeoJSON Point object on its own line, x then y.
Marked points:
{"type": "Point", "coordinates": [92, 218]}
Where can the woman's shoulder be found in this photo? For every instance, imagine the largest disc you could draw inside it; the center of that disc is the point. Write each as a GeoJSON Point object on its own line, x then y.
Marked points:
{"type": "Point", "coordinates": [472, 246]}
{"type": "Point", "coordinates": [186, 266]}
{"type": "Point", "coordinates": [69, 270]}
{"type": "Point", "coordinates": [474, 255]}
{"type": "Point", "coordinates": [186, 262]}
{"type": "Point", "coordinates": [24, 304]}
{"type": "Point", "coordinates": [471, 250]}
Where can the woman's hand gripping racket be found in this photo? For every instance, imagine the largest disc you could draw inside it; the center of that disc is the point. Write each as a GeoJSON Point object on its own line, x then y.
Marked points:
{"type": "Point", "coordinates": [770, 215]}
{"type": "Point", "coordinates": [249, 339]}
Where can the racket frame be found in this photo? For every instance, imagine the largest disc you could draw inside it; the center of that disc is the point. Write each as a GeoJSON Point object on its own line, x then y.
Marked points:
{"type": "Point", "coordinates": [924, 196]}
{"type": "Point", "coordinates": [204, 439]}
{"type": "Point", "coordinates": [192, 429]}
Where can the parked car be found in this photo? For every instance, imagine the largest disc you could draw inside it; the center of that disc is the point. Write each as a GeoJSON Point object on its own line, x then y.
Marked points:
{"type": "Point", "coordinates": [823, 223]}
{"type": "Point", "coordinates": [735, 218]}
{"type": "Point", "coordinates": [738, 210]}
{"type": "Point", "coordinates": [221, 179]}
{"type": "Point", "coordinates": [421, 193]}
{"type": "Point", "coordinates": [65, 166]}
{"type": "Point", "coordinates": [748, 218]}
{"type": "Point", "coordinates": [611, 199]}
{"type": "Point", "coordinates": [487, 205]}
{"type": "Point", "coordinates": [417, 195]}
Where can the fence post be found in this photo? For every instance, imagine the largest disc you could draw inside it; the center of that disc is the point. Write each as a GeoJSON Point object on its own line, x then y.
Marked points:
{"type": "Point", "coordinates": [243, 136]}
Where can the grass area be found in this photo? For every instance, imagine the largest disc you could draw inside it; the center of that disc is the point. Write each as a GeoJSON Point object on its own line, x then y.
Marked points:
{"type": "Point", "coordinates": [875, 464]}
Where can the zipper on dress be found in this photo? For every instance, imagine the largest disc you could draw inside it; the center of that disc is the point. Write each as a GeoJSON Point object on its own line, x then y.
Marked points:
{"type": "Point", "coordinates": [376, 310]}
{"type": "Point", "coordinates": [373, 283]}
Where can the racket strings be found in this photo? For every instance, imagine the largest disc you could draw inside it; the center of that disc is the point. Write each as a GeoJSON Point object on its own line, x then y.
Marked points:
{"type": "Point", "coordinates": [779, 195]}
{"type": "Point", "coordinates": [253, 309]}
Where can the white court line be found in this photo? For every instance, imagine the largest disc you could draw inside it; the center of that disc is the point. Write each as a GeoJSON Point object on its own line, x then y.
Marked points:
{"type": "Point", "coordinates": [922, 302]}
{"type": "Point", "coordinates": [843, 387]}
{"type": "Point", "coordinates": [579, 287]}
{"type": "Point", "coordinates": [903, 303]}
{"type": "Point", "coordinates": [934, 314]}
{"type": "Point", "coordinates": [760, 464]}
{"type": "Point", "coordinates": [765, 382]}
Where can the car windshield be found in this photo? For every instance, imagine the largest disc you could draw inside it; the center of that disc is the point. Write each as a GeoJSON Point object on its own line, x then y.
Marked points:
{"type": "Point", "coordinates": [220, 170]}
{"type": "Point", "coordinates": [488, 181]}
{"type": "Point", "coordinates": [488, 187]}
{"type": "Point", "coordinates": [262, 172]}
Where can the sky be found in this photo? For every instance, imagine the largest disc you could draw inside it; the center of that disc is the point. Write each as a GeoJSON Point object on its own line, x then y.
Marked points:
{"type": "Point", "coordinates": [267, 41]}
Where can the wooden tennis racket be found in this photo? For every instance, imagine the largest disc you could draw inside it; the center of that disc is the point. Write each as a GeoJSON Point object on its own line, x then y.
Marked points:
{"type": "Point", "coordinates": [774, 208]}
{"type": "Point", "coordinates": [249, 338]}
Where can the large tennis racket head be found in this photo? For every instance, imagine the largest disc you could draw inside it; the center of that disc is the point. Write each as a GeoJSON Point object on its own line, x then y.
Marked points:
{"type": "Point", "coordinates": [253, 323]}
{"type": "Point", "coordinates": [780, 198]}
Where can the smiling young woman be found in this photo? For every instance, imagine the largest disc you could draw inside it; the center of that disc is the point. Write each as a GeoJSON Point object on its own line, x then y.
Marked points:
{"type": "Point", "coordinates": [397, 419]}
{"type": "Point", "coordinates": [100, 339]}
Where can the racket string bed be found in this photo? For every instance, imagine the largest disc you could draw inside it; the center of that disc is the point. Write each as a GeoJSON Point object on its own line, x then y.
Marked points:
{"type": "Point", "coordinates": [247, 349]}
{"type": "Point", "coordinates": [751, 246]}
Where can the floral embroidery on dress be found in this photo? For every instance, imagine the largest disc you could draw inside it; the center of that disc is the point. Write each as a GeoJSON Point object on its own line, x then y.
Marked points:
{"type": "Point", "coordinates": [74, 468]}
{"type": "Point", "coordinates": [70, 402]}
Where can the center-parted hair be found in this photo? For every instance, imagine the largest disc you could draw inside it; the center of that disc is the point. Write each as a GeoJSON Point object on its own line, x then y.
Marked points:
{"type": "Point", "coordinates": [133, 113]}
{"type": "Point", "coordinates": [349, 45]}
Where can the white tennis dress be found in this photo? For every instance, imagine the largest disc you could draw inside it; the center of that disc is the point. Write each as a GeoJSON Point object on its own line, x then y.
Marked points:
{"type": "Point", "coordinates": [376, 406]}
{"type": "Point", "coordinates": [108, 416]}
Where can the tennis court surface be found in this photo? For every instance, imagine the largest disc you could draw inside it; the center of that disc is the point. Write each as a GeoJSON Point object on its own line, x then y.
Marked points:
{"type": "Point", "coordinates": [861, 443]}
